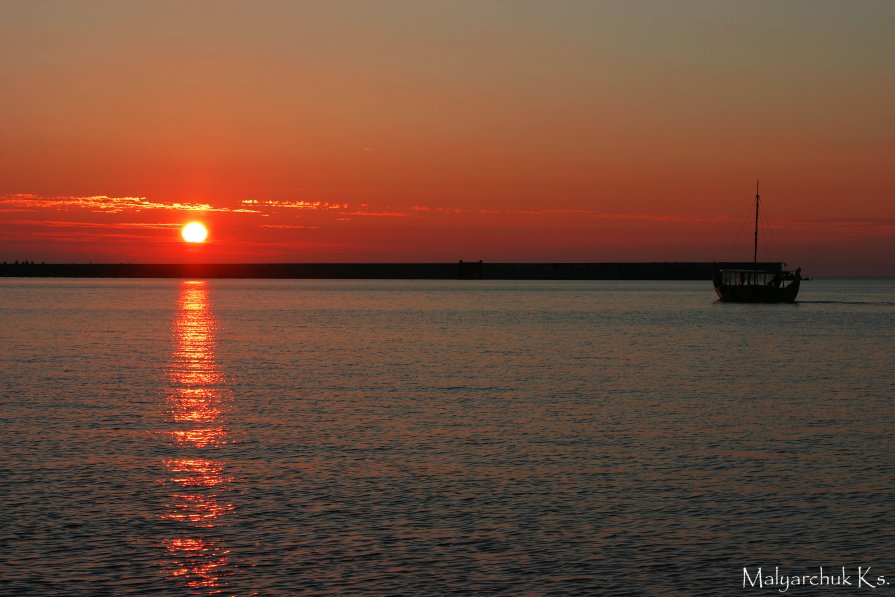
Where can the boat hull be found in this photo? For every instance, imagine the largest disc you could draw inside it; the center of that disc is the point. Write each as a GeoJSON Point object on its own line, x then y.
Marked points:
{"type": "Point", "coordinates": [733, 293]}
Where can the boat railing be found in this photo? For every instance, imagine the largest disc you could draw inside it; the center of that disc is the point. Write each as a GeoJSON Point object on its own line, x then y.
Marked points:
{"type": "Point", "coordinates": [744, 277]}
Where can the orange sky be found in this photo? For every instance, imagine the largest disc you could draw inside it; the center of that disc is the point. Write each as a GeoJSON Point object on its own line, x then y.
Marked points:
{"type": "Point", "coordinates": [426, 131]}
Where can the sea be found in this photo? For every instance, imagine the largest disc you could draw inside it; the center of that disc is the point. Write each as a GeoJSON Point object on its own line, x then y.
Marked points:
{"type": "Point", "coordinates": [383, 437]}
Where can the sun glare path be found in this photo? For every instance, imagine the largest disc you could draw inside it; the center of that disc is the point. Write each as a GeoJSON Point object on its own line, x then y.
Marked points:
{"type": "Point", "coordinates": [194, 232]}
{"type": "Point", "coordinates": [197, 409]}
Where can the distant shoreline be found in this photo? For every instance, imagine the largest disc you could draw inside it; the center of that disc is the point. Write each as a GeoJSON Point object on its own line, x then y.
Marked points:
{"type": "Point", "coordinates": [462, 270]}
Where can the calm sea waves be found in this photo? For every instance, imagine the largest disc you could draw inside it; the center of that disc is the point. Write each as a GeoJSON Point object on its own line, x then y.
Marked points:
{"type": "Point", "coordinates": [408, 437]}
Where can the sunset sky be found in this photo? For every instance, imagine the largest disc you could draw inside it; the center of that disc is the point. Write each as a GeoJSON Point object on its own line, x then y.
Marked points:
{"type": "Point", "coordinates": [423, 131]}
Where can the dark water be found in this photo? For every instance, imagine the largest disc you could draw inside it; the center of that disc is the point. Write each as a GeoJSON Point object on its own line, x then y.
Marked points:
{"type": "Point", "coordinates": [288, 437]}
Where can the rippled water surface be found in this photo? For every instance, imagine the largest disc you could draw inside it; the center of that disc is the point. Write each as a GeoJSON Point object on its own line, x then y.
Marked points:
{"type": "Point", "coordinates": [407, 437]}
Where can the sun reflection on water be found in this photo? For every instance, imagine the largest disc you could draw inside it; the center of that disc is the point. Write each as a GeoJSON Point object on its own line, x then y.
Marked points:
{"type": "Point", "coordinates": [202, 563]}
{"type": "Point", "coordinates": [197, 405]}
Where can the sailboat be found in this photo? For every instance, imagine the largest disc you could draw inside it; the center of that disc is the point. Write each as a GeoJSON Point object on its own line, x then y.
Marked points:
{"type": "Point", "coordinates": [760, 283]}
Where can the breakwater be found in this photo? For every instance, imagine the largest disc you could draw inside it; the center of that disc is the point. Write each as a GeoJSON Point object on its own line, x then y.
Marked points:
{"type": "Point", "coordinates": [433, 271]}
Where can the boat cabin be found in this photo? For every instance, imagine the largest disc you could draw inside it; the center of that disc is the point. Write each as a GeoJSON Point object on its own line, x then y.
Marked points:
{"type": "Point", "coordinates": [751, 277]}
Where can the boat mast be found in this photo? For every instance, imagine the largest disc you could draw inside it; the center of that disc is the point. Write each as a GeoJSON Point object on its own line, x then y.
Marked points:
{"type": "Point", "coordinates": [755, 249]}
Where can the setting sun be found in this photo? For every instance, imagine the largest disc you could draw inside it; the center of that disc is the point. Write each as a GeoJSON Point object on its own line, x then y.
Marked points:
{"type": "Point", "coordinates": [194, 232]}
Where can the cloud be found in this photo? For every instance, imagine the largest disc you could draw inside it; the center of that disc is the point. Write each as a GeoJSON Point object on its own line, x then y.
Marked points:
{"type": "Point", "coordinates": [104, 204]}
{"type": "Point", "coordinates": [596, 215]}
{"type": "Point", "coordinates": [377, 214]}
{"type": "Point", "coordinates": [85, 232]}
{"type": "Point", "coordinates": [23, 203]}
{"type": "Point", "coordinates": [343, 210]}
{"type": "Point", "coordinates": [842, 227]}
{"type": "Point", "coordinates": [309, 205]}
{"type": "Point", "coordinates": [108, 226]}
